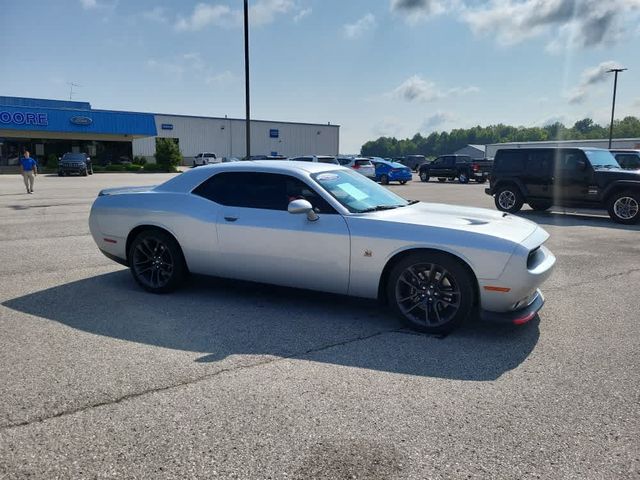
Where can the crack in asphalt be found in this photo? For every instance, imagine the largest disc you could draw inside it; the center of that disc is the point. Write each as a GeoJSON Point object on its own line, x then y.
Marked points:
{"type": "Point", "coordinates": [606, 277]}
{"type": "Point", "coordinates": [165, 388]}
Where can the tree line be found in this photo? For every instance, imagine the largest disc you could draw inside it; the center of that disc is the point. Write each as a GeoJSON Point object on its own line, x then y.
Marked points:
{"type": "Point", "coordinates": [441, 143]}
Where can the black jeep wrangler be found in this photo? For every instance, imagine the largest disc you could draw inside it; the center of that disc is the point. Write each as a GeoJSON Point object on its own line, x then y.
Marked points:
{"type": "Point", "coordinates": [567, 177]}
{"type": "Point", "coordinates": [79, 163]}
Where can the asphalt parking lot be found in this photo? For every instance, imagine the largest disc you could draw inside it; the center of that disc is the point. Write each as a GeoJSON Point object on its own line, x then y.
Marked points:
{"type": "Point", "coordinates": [232, 380]}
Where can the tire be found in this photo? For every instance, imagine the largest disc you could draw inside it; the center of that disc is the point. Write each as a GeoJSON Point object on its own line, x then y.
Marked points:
{"type": "Point", "coordinates": [509, 199]}
{"type": "Point", "coordinates": [442, 180]}
{"type": "Point", "coordinates": [384, 180]}
{"type": "Point", "coordinates": [147, 249]}
{"type": "Point", "coordinates": [85, 173]}
{"type": "Point", "coordinates": [540, 206]}
{"type": "Point", "coordinates": [431, 292]}
{"type": "Point", "coordinates": [424, 177]}
{"type": "Point", "coordinates": [624, 207]}
{"type": "Point", "coordinates": [403, 182]}
{"type": "Point", "coordinates": [463, 177]}
{"type": "Point", "coordinates": [194, 164]}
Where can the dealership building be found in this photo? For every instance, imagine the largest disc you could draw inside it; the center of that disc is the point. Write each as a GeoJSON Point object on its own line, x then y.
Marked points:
{"type": "Point", "coordinates": [46, 127]}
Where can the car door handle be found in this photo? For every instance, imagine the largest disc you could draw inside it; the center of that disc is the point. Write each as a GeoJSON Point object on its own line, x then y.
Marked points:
{"type": "Point", "coordinates": [231, 219]}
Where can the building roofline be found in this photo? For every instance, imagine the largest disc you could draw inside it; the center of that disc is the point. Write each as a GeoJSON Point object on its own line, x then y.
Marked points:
{"type": "Point", "coordinates": [242, 119]}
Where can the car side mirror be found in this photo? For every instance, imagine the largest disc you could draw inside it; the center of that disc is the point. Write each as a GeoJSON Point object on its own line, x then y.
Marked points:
{"type": "Point", "coordinates": [303, 206]}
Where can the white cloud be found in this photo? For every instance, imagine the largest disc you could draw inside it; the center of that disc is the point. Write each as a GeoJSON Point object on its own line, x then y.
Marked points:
{"type": "Point", "coordinates": [262, 12]}
{"type": "Point", "coordinates": [360, 26]}
{"type": "Point", "coordinates": [88, 4]}
{"type": "Point", "coordinates": [417, 10]}
{"type": "Point", "coordinates": [220, 78]}
{"type": "Point", "coordinates": [205, 15]}
{"type": "Point", "coordinates": [156, 14]}
{"type": "Point", "coordinates": [437, 119]}
{"type": "Point", "coordinates": [590, 77]}
{"type": "Point", "coordinates": [168, 68]}
{"type": "Point", "coordinates": [577, 23]}
{"type": "Point", "coordinates": [389, 126]}
{"type": "Point", "coordinates": [417, 89]}
{"type": "Point", "coordinates": [305, 12]}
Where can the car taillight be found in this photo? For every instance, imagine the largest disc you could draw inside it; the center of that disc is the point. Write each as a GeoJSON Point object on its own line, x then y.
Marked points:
{"type": "Point", "coordinates": [475, 167]}
{"type": "Point", "coordinates": [356, 166]}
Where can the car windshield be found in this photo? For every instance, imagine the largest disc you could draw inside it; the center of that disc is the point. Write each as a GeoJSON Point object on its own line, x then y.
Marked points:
{"type": "Point", "coordinates": [73, 156]}
{"type": "Point", "coordinates": [601, 158]}
{"type": "Point", "coordinates": [330, 160]}
{"type": "Point", "coordinates": [356, 192]}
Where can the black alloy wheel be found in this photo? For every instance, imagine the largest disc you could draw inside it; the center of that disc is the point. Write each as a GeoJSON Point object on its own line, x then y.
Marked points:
{"type": "Point", "coordinates": [156, 261]}
{"type": "Point", "coordinates": [432, 292]}
{"type": "Point", "coordinates": [424, 177]}
{"type": "Point", "coordinates": [463, 177]}
{"type": "Point", "coordinates": [624, 208]}
{"type": "Point", "coordinates": [509, 199]}
{"type": "Point", "coordinates": [403, 182]}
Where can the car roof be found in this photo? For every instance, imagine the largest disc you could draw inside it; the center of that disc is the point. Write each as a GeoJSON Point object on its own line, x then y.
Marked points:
{"type": "Point", "coordinates": [190, 179]}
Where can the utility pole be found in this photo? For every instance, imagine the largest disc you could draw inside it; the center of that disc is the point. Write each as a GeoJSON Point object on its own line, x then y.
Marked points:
{"type": "Point", "coordinates": [246, 76]}
{"type": "Point", "coordinates": [71, 85]}
{"type": "Point", "coordinates": [615, 71]}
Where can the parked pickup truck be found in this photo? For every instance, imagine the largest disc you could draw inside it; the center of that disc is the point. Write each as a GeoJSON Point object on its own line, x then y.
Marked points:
{"type": "Point", "coordinates": [461, 167]}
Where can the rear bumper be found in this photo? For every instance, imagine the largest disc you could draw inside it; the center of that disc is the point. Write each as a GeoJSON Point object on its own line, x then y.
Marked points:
{"type": "Point", "coordinates": [516, 317]}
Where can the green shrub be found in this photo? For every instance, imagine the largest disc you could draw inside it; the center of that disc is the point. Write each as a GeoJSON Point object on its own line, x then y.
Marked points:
{"type": "Point", "coordinates": [133, 168]}
{"type": "Point", "coordinates": [114, 168]}
{"type": "Point", "coordinates": [139, 160]}
{"type": "Point", "coordinates": [52, 161]}
{"type": "Point", "coordinates": [98, 168]}
{"type": "Point", "coordinates": [168, 154]}
{"type": "Point", "coordinates": [154, 167]}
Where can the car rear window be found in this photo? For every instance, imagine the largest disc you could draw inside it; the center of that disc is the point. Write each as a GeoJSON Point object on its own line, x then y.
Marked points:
{"type": "Point", "coordinates": [364, 163]}
{"type": "Point", "coordinates": [330, 160]}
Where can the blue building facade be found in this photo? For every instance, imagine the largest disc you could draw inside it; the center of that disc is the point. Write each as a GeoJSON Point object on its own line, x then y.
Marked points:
{"type": "Point", "coordinates": [53, 127]}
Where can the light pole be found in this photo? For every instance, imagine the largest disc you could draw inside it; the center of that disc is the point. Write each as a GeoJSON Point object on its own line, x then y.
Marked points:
{"type": "Point", "coordinates": [246, 76]}
{"type": "Point", "coordinates": [615, 71]}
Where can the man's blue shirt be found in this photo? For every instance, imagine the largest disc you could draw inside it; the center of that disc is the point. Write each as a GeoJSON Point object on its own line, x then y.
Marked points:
{"type": "Point", "coordinates": [27, 163]}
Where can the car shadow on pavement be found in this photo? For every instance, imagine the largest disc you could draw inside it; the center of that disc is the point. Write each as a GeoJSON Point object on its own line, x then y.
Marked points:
{"type": "Point", "coordinates": [219, 318]}
{"type": "Point", "coordinates": [572, 218]}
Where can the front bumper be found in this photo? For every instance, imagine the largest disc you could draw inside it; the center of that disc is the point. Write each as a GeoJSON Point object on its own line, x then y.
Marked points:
{"type": "Point", "coordinates": [72, 168]}
{"type": "Point", "coordinates": [516, 317]}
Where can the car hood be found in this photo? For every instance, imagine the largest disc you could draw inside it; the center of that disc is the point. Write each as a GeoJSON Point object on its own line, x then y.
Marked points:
{"type": "Point", "coordinates": [469, 219]}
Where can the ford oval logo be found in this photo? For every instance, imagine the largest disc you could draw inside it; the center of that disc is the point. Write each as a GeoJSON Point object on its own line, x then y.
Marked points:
{"type": "Point", "coordinates": [81, 120]}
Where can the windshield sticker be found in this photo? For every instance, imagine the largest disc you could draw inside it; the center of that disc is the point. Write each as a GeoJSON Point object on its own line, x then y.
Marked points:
{"type": "Point", "coordinates": [327, 177]}
{"type": "Point", "coordinates": [353, 191]}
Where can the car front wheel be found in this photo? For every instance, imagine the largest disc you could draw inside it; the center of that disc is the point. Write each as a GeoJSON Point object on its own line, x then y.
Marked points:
{"type": "Point", "coordinates": [442, 180]}
{"type": "Point", "coordinates": [156, 261]}
{"type": "Point", "coordinates": [424, 177]}
{"type": "Point", "coordinates": [431, 292]}
{"type": "Point", "coordinates": [624, 208]}
{"type": "Point", "coordinates": [463, 178]}
{"type": "Point", "coordinates": [509, 199]}
{"type": "Point", "coordinates": [403, 182]}
{"type": "Point", "coordinates": [540, 206]}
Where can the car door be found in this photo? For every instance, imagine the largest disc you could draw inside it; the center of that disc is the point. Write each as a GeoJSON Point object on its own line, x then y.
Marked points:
{"type": "Point", "coordinates": [436, 167]}
{"type": "Point", "coordinates": [573, 175]}
{"type": "Point", "coordinates": [538, 170]}
{"type": "Point", "coordinates": [259, 240]}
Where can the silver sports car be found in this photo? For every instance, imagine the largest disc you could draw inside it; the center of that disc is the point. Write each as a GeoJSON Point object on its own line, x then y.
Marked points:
{"type": "Point", "coordinates": [324, 227]}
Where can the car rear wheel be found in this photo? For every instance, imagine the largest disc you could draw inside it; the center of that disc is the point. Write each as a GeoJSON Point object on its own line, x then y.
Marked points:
{"type": "Point", "coordinates": [540, 206]}
{"type": "Point", "coordinates": [624, 208]}
{"type": "Point", "coordinates": [509, 199]}
{"type": "Point", "coordinates": [442, 180]}
{"type": "Point", "coordinates": [424, 177]}
{"type": "Point", "coordinates": [463, 178]}
{"type": "Point", "coordinates": [431, 292]}
{"type": "Point", "coordinates": [156, 261]}
{"type": "Point", "coordinates": [384, 180]}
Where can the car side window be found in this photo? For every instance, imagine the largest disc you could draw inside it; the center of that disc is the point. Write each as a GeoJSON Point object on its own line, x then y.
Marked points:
{"type": "Point", "coordinates": [437, 162]}
{"type": "Point", "coordinates": [268, 191]}
{"type": "Point", "coordinates": [568, 161]}
{"type": "Point", "coordinates": [628, 160]}
{"type": "Point", "coordinates": [539, 163]}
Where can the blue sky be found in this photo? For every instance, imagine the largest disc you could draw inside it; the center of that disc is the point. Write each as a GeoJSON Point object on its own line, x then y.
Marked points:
{"type": "Point", "coordinates": [376, 67]}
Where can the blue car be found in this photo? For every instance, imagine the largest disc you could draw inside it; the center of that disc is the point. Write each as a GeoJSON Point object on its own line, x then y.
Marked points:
{"type": "Point", "coordinates": [391, 172]}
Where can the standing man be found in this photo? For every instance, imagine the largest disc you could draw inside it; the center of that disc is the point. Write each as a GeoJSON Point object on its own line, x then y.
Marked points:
{"type": "Point", "coordinates": [29, 170]}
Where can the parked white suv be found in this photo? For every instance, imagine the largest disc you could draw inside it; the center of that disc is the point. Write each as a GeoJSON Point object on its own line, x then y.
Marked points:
{"type": "Point", "coordinates": [360, 165]}
{"type": "Point", "coordinates": [205, 159]}
{"type": "Point", "coordinates": [316, 158]}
